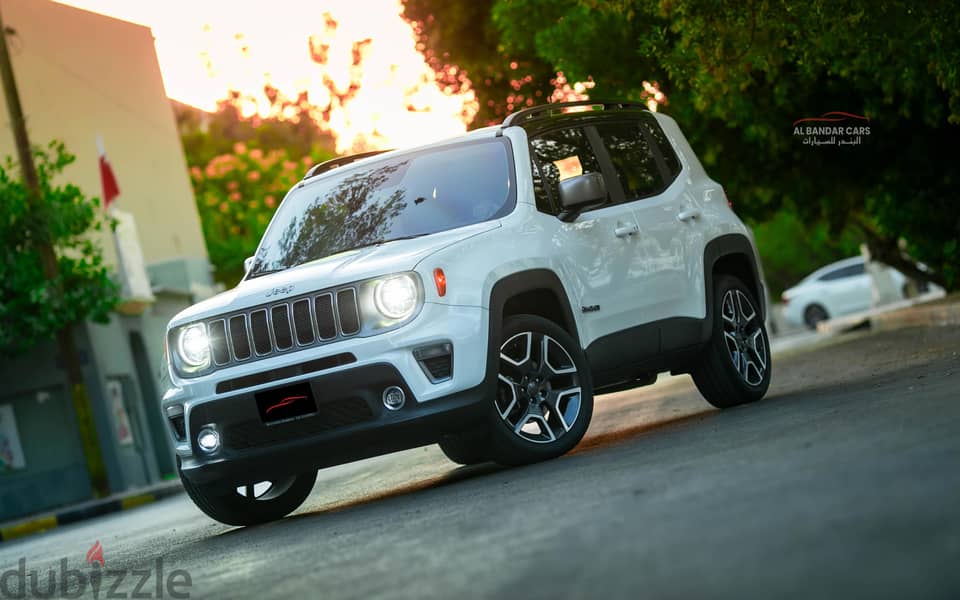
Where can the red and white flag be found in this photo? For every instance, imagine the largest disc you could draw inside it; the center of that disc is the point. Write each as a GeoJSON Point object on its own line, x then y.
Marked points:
{"type": "Point", "coordinates": [107, 179]}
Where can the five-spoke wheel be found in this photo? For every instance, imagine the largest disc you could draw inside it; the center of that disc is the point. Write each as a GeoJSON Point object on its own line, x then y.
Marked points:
{"type": "Point", "coordinates": [538, 392]}
{"type": "Point", "coordinates": [544, 397]}
{"type": "Point", "coordinates": [735, 365]}
{"type": "Point", "coordinates": [744, 336]}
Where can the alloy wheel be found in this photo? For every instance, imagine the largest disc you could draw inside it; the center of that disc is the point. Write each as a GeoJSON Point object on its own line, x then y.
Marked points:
{"type": "Point", "coordinates": [744, 337]}
{"type": "Point", "coordinates": [538, 388]}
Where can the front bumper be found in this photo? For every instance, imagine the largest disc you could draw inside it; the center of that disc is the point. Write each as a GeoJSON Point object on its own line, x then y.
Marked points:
{"type": "Point", "coordinates": [350, 424]}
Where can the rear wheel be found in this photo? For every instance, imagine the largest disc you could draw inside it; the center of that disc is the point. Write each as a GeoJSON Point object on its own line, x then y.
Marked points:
{"type": "Point", "coordinates": [735, 366]}
{"type": "Point", "coordinates": [250, 504]}
{"type": "Point", "coordinates": [814, 314]}
{"type": "Point", "coordinates": [544, 396]}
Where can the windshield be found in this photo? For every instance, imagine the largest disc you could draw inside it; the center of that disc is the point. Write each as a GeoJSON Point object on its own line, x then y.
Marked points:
{"type": "Point", "coordinates": [397, 197]}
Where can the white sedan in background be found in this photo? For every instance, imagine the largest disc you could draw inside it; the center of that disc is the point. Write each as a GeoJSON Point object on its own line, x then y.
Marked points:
{"type": "Point", "coordinates": [837, 289]}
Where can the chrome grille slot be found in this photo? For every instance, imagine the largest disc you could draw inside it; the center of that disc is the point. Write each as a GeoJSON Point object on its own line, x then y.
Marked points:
{"type": "Point", "coordinates": [218, 342]}
{"type": "Point", "coordinates": [302, 322]}
{"type": "Point", "coordinates": [261, 332]}
{"type": "Point", "coordinates": [281, 327]}
{"type": "Point", "coordinates": [347, 311]}
{"type": "Point", "coordinates": [326, 322]}
{"type": "Point", "coordinates": [238, 337]}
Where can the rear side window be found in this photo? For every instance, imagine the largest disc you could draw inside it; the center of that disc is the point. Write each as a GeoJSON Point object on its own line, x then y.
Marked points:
{"type": "Point", "coordinates": [844, 272]}
{"type": "Point", "coordinates": [633, 159]}
{"type": "Point", "coordinates": [559, 155]}
{"type": "Point", "coordinates": [650, 126]}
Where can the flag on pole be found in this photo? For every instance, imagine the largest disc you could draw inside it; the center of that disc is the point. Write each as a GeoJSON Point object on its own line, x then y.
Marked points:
{"type": "Point", "coordinates": [107, 179]}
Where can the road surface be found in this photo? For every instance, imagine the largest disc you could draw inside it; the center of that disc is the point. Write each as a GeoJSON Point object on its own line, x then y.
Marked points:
{"type": "Point", "coordinates": [844, 482]}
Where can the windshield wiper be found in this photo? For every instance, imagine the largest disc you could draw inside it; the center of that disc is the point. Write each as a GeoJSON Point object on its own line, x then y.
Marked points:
{"type": "Point", "coordinates": [382, 242]}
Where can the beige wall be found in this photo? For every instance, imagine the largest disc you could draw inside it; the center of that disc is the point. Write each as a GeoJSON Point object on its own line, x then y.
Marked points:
{"type": "Point", "coordinates": [81, 75]}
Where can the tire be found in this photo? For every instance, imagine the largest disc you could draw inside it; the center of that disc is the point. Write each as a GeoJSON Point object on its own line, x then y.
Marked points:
{"type": "Point", "coordinates": [814, 314]}
{"type": "Point", "coordinates": [470, 448]}
{"type": "Point", "coordinates": [735, 366]}
{"type": "Point", "coordinates": [225, 504]}
{"type": "Point", "coordinates": [554, 397]}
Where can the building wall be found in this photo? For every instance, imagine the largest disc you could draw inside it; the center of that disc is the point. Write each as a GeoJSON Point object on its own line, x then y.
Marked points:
{"type": "Point", "coordinates": [82, 75]}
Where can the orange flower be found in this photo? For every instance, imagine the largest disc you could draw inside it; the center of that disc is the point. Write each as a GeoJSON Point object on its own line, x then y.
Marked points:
{"type": "Point", "coordinates": [239, 148]}
{"type": "Point", "coordinates": [233, 185]}
{"type": "Point", "coordinates": [224, 207]}
{"type": "Point", "coordinates": [256, 154]}
{"type": "Point", "coordinates": [270, 201]}
{"type": "Point", "coordinates": [234, 196]}
{"type": "Point", "coordinates": [253, 175]}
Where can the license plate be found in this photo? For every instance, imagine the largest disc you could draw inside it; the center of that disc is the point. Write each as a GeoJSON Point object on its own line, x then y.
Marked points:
{"type": "Point", "coordinates": [286, 403]}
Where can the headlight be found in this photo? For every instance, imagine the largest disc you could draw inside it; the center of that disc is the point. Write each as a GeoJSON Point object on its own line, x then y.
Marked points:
{"type": "Point", "coordinates": [396, 298]}
{"type": "Point", "coordinates": [193, 346]}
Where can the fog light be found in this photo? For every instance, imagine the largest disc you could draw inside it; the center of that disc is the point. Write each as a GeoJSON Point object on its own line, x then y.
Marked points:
{"type": "Point", "coordinates": [209, 439]}
{"type": "Point", "coordinates": [393, 398]}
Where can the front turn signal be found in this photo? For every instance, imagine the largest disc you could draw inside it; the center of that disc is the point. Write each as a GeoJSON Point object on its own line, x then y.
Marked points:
{"type": "Point", "coordinates": [441, 281]}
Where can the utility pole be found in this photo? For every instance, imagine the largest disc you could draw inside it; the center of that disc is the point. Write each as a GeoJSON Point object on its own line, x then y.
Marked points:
{"type": "Point", "coordinates": [48, 259]}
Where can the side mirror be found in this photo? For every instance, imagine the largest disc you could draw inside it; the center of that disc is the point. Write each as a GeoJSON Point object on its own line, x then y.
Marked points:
{"type": "Point", "coordinates": [247, 264]}
{"type": "Point", "coordinates": [577, 193]}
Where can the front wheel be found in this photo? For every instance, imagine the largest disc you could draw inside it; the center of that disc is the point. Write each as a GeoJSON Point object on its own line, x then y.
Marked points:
{"type": "Point", "coordinates": [250, 504]}
{"type": "Point", "coordinates": [544, 396]}
{"type": "Point", "coordinates": [735, 366]}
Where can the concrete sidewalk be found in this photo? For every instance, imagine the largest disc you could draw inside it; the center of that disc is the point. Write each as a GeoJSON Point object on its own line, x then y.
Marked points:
{"type": "Point", "coordinates": [87, 510]}
{"type": "Point", "coordinates": [930, 310]}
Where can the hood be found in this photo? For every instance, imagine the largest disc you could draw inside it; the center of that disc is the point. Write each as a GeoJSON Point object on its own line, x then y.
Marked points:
{"type": "Point", "coordinates": [332, 271]}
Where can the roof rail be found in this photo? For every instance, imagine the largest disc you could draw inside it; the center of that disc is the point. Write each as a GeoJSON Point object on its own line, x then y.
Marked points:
{"type": "Point", "coordinates": [340, 161]}
{"type": "Point", "coordinates": [533, 112]}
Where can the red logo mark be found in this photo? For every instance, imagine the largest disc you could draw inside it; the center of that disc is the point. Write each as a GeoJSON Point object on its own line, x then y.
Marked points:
{"type": "Point", "coordinates": [832, 117]}
{"type": "Point", "coordinates": [286, 402]}
{"type": "Point", "coordinates": [95, 554]}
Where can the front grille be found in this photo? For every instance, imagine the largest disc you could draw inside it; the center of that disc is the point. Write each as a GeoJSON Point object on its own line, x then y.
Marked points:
{"type": "Point", "coordinates": [294, 324]}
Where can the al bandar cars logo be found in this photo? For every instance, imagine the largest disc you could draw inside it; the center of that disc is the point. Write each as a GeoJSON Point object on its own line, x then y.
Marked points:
{"type": "Point", "coordinates": [834, 128]}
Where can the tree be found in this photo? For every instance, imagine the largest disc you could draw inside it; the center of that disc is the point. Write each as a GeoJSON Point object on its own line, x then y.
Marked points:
{"type": "Point", "coordinates": [237, 194]}
{"type": "Point", "coordinates": [462, 45]}
{"type": "Point", "coordinates": [738, 75]}
{"type": "Point", "coordinates": [241, 168]}
{"type": "Point", "coordinates": [34, 308]}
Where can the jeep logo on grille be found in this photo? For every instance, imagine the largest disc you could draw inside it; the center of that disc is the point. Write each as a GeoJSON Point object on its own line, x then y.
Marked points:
{"type": "Point", "coordinates": [280, 291]}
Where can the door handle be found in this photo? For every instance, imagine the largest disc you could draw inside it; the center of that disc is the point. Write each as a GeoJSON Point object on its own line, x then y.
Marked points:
{"type": "Point", "coordinates": [688, 215]}
{"type": "Point", "coordinates": [625, 230]}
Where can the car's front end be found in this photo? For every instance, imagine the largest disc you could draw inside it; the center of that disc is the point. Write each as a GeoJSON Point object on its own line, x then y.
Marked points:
{"type": "Point", "coordinates": [340, 344]}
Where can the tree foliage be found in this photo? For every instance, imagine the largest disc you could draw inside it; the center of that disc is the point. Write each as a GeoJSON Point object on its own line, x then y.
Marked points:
{"type": "Point", "coordinates": [739, 74]}
{"type": "Point", "coordinates": [237, 194]}
{"type": "Point", "coordinates": [241, 168]}
{"type": "Point", "coordinates": [32, 307]}
{"type": "Point", "coordinates": [460, 41]}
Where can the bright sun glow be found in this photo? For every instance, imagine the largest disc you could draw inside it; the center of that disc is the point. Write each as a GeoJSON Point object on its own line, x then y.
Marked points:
{"type": "Point", "coordinates": [357, 59]}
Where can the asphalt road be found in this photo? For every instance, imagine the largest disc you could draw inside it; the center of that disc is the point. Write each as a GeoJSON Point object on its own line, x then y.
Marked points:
{"type": "Point", "coordinates": [844, 482]}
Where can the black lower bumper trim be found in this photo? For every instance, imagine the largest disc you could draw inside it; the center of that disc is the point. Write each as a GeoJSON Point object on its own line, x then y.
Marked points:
{"type": "Point", "coordinates": [350, 424]}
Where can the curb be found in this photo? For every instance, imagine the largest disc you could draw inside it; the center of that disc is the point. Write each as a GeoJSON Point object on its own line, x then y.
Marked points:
{"type": "Point", "coordinates": [932, 309]}
{"type": "Point", "coordinates": [90, 510]}
{"type": "Point", "coordinates": [939, 314]}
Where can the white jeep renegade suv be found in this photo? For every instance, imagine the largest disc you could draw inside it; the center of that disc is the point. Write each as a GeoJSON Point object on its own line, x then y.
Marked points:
{"type": "Point", "coordinates": [474, 293]}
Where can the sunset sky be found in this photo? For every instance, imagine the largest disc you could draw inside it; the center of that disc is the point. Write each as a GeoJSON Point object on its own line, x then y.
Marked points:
{"type": "Point", "coordinates": [206, 48]}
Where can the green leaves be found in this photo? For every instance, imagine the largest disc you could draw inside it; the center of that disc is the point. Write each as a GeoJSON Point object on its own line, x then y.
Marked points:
{"type": "Point", "coordinates": [237, 194]}
{"type": "Point", "coordinates": [33, 308]}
